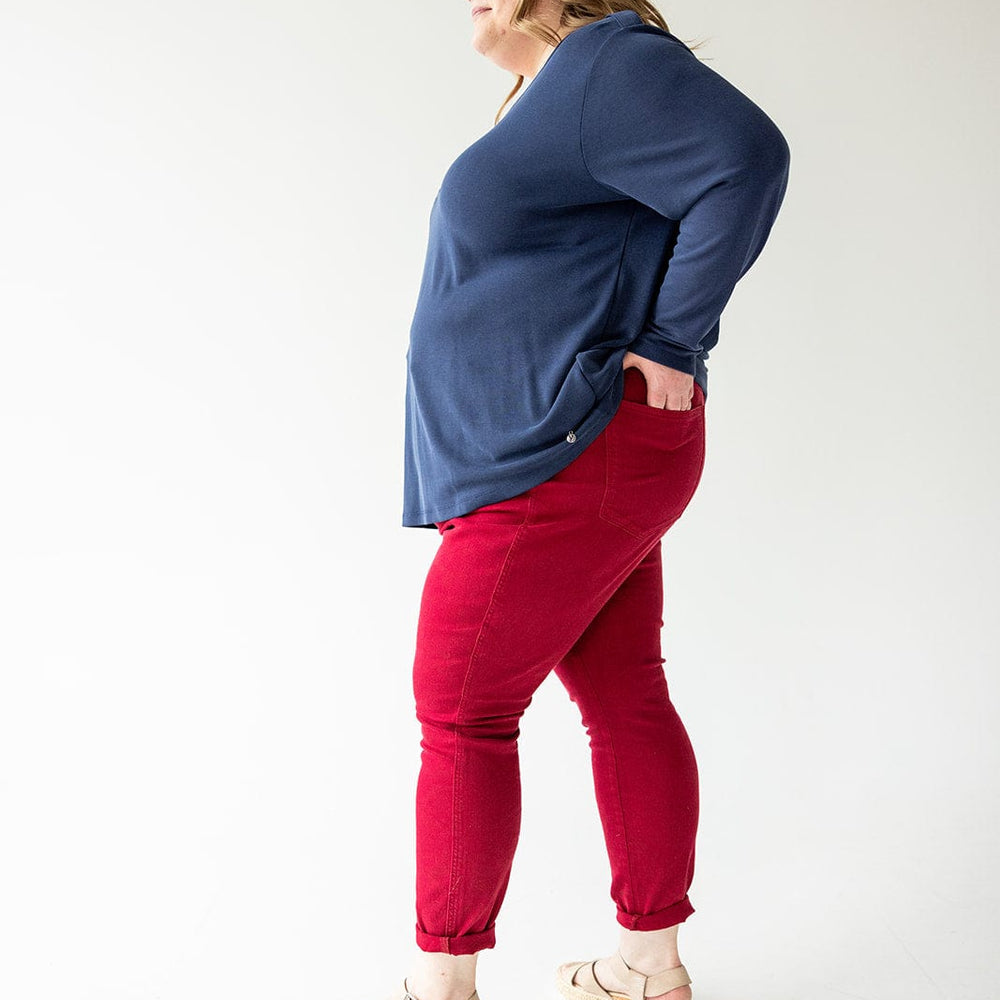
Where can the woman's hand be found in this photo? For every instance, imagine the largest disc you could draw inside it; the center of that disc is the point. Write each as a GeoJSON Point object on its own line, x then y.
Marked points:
{"type": "Point", "coordinates": [666, 388]}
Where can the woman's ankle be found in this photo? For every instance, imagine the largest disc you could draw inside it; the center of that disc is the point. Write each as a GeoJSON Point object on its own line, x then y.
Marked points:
{"type": "Point", "coordinates": [650, 952]}
{"type": "Point", "coordinates": [440, 976]}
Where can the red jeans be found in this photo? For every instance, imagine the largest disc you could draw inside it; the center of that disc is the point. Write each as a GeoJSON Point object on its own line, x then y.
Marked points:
{"type": "Point", "coordinates": [567, 577]}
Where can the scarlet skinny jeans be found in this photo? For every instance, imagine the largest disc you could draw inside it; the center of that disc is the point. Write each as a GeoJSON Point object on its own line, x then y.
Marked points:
{"type": "Point", "coordinates": [566, 576]}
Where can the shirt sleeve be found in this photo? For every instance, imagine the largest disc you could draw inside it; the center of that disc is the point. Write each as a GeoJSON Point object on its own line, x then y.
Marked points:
{"type": "Point", "coordinates": [661, 127]}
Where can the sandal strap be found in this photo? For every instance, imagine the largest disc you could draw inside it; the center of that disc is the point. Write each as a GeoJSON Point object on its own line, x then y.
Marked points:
{"type": "Point", "coordinates": [640, 986]}
{"type": "Point", "coordinates": [582, 977]}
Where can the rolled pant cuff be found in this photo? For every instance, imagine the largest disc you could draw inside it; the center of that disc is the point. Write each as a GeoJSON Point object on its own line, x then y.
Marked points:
{"type": "Point", "coordinates": [463, 944]}
{"type": "Point", "coordinates": [675, 914]}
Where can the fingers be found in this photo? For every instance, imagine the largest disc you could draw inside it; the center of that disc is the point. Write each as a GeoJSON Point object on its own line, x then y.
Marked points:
{"type": "Point", "coordinates": [671, 401]}
{"type": "Point", "coordinates": [683, 403]}
{"type": "Point", "coordinates": [673, 392]}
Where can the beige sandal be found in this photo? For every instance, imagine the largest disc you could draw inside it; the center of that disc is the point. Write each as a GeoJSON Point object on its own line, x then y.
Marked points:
{"type": "Point", "coordinates": [639, 986]}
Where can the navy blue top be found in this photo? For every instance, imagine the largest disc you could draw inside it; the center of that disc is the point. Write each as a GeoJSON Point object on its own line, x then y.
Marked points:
{"type": "Point", "coordinates": [613, 207]}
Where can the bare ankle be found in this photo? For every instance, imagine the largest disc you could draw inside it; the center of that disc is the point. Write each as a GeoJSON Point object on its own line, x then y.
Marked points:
{"type": "Point", "coordinates": [429, 990]}
{"type": "Point", "coordinates": [439, 976]}
{"type": "Point", "coordinates": [650, 952]}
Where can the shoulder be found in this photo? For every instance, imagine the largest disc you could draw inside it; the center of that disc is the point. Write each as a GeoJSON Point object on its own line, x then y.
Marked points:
{"type": "Point", "coordinates": [646, 88]}
{"type": "Point", "coordinates": [625, 35]}
{"type": "Point", "coordinates": [622, 35]}
{"type": "Point", "coordinates": [636, 61]}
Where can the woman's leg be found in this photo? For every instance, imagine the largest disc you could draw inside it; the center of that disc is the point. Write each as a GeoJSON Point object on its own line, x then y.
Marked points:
{"type": "Point", "coordinates": [511, 590]}
{"type": "Point", "coordinates": [645, 773]}
{"type": "Point", "coordinates": [501, 605]}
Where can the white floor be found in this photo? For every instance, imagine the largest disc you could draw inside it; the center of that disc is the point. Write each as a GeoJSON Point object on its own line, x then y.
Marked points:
{"type": "Point", "coordinates": [803, 927]}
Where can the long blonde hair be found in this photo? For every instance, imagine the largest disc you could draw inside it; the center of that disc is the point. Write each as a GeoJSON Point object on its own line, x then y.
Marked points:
{"type": "Point", "coordinates": [574, 15]}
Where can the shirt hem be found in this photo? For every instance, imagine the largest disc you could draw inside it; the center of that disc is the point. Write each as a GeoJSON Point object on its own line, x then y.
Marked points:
{"type": "Point", "coordinates": [538, 473]}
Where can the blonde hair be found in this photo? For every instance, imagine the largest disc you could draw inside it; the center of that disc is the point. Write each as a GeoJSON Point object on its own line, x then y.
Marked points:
{"type": "Point", "coordinates": [573, 15]}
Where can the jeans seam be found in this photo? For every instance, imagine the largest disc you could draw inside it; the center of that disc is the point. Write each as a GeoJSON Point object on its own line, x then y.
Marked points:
{"type": "Point", "coordinates": [453, 892]}
{"type": "Point", "coordinates": [614, 759]}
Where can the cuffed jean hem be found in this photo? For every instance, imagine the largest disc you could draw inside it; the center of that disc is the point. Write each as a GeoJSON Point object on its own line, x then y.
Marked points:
{"type": "Point", "coordinates": [463, 944]}
{"type": "Point", "coordinates": [675, 914]}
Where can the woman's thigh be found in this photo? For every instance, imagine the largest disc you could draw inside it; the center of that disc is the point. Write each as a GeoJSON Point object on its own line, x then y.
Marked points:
{"type": "Point", "coordinates": [514, 584]}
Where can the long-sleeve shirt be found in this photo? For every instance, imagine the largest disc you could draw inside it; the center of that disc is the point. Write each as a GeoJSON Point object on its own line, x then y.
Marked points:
{"type": "Point", "coordinates": [613, 208]}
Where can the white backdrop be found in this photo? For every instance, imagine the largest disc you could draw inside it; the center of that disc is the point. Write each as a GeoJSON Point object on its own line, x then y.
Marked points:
{"type": "Point", "coordinates": [213, 223]}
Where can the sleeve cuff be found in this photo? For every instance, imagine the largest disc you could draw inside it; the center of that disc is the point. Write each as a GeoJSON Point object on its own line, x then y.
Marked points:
{"type": "Point", "coordinates": [655, 349]}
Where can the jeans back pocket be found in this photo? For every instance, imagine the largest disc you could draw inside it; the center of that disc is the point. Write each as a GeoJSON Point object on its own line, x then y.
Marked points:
{"type": "Point", "coordinates": [655, 458]}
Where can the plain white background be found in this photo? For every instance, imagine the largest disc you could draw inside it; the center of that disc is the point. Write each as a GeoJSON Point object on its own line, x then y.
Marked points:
{"type": "Point", "coordinates": [213, 223]}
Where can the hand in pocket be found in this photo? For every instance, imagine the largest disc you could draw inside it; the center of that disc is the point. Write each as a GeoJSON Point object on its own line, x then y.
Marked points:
{"type": "Point", "coordinates": [666, 388]}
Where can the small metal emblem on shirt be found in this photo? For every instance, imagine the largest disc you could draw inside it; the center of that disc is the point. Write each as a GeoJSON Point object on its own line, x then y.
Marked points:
{"type": "Point", "coordinates": [571, 437]}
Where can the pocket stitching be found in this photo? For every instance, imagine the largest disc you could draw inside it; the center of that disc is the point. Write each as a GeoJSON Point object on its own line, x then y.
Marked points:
{"type": "Point", "coordinates": [613, 475]}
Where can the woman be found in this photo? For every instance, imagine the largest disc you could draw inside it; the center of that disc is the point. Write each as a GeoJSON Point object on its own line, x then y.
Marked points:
{"type": "Point", "coordinates": [580, 254]}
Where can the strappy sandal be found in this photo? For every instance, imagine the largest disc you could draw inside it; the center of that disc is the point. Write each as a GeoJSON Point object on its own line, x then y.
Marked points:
{"type": "Point", "coordinates": [639, 987]}
{"type": "Point", "coordinates": [407, 995]}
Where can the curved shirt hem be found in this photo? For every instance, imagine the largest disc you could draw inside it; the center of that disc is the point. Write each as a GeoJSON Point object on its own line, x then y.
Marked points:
{"type": "Point", "coordinates": [539, 472]}
{"type": "Point", "coordinates": [533, 475]}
